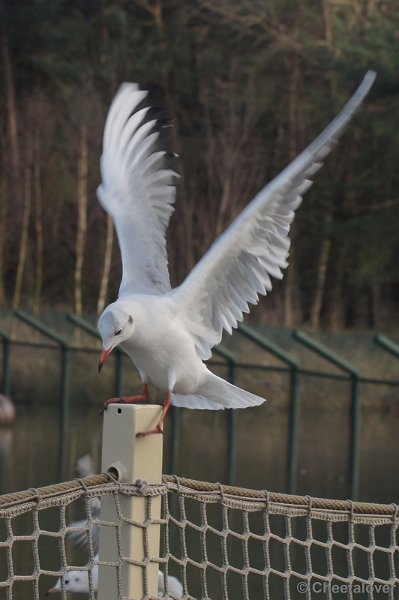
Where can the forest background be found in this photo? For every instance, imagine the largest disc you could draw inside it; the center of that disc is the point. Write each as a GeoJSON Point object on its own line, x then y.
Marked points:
{"type": "Point", "coordinates": [248, 84]}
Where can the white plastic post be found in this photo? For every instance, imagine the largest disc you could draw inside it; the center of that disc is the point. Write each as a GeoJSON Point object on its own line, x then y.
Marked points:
{"type": "Point", "coordinates": [130, 458]}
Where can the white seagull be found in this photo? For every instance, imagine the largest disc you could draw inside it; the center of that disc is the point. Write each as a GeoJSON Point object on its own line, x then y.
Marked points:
{"type": "Point", "coordinates": [169, 333]}
{"type": "Point", "coordinates": [77, 581]}
{"type": "Point", "coordinates": [78, 531]}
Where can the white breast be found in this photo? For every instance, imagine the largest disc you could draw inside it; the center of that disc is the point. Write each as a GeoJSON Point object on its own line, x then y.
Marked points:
{"type": "Point", "coordinates": [163, 349]}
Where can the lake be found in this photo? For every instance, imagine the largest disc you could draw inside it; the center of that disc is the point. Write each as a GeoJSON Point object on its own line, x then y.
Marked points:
{"type": "Point", "coordinates": [30, 454]}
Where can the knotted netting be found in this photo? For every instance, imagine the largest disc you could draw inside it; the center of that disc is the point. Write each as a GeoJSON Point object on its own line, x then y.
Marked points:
{"type": "Point", "coordinates": [219, 542]}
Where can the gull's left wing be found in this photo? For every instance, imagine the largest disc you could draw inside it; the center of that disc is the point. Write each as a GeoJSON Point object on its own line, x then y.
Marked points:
{"type": "Point", "coordinates": [138, 191]}
{"type": "Point", "coordinates": [78, 531]}
{"type": "Point", "coordinates": [238, 266]}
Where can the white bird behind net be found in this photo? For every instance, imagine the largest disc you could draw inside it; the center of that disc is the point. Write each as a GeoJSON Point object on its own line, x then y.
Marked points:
{"type": "Point", "coordinates": [219, 542]}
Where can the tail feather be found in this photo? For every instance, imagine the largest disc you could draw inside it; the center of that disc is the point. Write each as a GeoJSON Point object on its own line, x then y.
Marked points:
{"type": "Point", "coordinates": [216, 394]}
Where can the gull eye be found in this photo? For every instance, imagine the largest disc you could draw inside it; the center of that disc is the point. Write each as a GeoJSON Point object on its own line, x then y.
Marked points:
{"type": "Point", "coordinates": [118, 332]}
{"type": "Point", "coordinates": [66, 581]}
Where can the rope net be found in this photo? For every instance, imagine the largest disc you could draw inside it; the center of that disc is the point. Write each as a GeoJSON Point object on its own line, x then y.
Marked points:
{"type": "Point", "coordinates": [217, 542]}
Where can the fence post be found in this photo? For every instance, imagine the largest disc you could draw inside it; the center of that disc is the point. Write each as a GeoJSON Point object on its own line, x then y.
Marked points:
{"type": "Point", "coordinates": [352, 372]}
{"type": "Point", "coordinates": [65, 399]}
{"type": "Point", "coordinates": [6, 382]}
{"type": "Point", "coordinates": [295, 370]}
{"type": "Point", "coordinates": [130, 458]}
{"type": "Point", "coordinates": [293, 432]}
{"type": "Point", "coordinates": [232, 417]}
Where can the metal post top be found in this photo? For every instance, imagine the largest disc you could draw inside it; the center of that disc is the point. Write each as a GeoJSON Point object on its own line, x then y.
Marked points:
{"type": "Point", "coordinates": [139, 411]}
{"type": "Point", "coordinates": [137, 457]}
{"type": "Point", "coordinates": [133, 407]}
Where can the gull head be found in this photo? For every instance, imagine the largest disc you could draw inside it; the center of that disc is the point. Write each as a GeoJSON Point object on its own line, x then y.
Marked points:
{"type": "Point", "coordinates": [75, 581]}
{"type": "Point", "coordinates": [115, 325]}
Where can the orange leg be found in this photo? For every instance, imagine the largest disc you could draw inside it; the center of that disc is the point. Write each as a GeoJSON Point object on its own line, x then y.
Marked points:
{"type": "Point", "coordinates": [127, 399]}
{"type": "Point", "coordinates": [159, 427]}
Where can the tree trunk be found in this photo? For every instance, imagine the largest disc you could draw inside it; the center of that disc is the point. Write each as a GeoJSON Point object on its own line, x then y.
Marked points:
{"type": "Point", "coordinates": [102, 296]}
{"type": "Point", "coordinates": [10, 95]}
{"type": "Point", "coordinates": [374, 302]}
{"type": "Point", "coordinates": [3, 219]}
{"type": "Point", "coordinates": [289, 293]}
{"type": "Point", "coordinates": [82, 218]}
{"type": "Point", "coordinates": [334, 308]}
{"type": "Point", "coordinates": [23, 243]}
{"type": "Point", "coordinates": [321, 275]}
{"type": "Point", "coordinates": [37, 186]}
{"type": "Point", "coordinates": [371, 6]}
{"type": "Point", "coordinates": [327, 24]}
{"type": "Point", "coordinates": [325, 249]}
{"type": "Point", "coordinates": [290, 279]}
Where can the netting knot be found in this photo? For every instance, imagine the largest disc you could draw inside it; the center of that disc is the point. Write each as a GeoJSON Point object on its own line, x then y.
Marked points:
{"type": "Point", "coordinates": [142, 487]}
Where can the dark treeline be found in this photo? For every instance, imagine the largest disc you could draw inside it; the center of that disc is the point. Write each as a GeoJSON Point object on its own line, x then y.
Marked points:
{"type": "Point", "coordinates": [248, 84]}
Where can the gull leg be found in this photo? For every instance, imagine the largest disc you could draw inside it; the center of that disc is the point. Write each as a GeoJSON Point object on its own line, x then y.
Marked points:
{"type": "Point", "coordinates": [159, 426]}
{"type": "Point", "coordinates": [127, 399]}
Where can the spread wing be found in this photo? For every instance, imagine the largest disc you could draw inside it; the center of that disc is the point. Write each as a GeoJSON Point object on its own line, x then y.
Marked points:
{"type": "Point", "coordinates": [239, 265]}
{"type": "Point", "coordinates": [138, 191]}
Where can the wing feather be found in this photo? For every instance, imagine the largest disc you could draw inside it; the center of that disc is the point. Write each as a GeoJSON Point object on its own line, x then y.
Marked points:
{"type": "Point", "coordinates": [238, 266]}
{"type": "Point", "coordinates": [138, 191]}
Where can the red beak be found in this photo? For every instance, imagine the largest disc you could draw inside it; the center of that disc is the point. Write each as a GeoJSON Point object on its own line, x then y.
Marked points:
{"type": "Point", "coordinates": [103, 358]}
